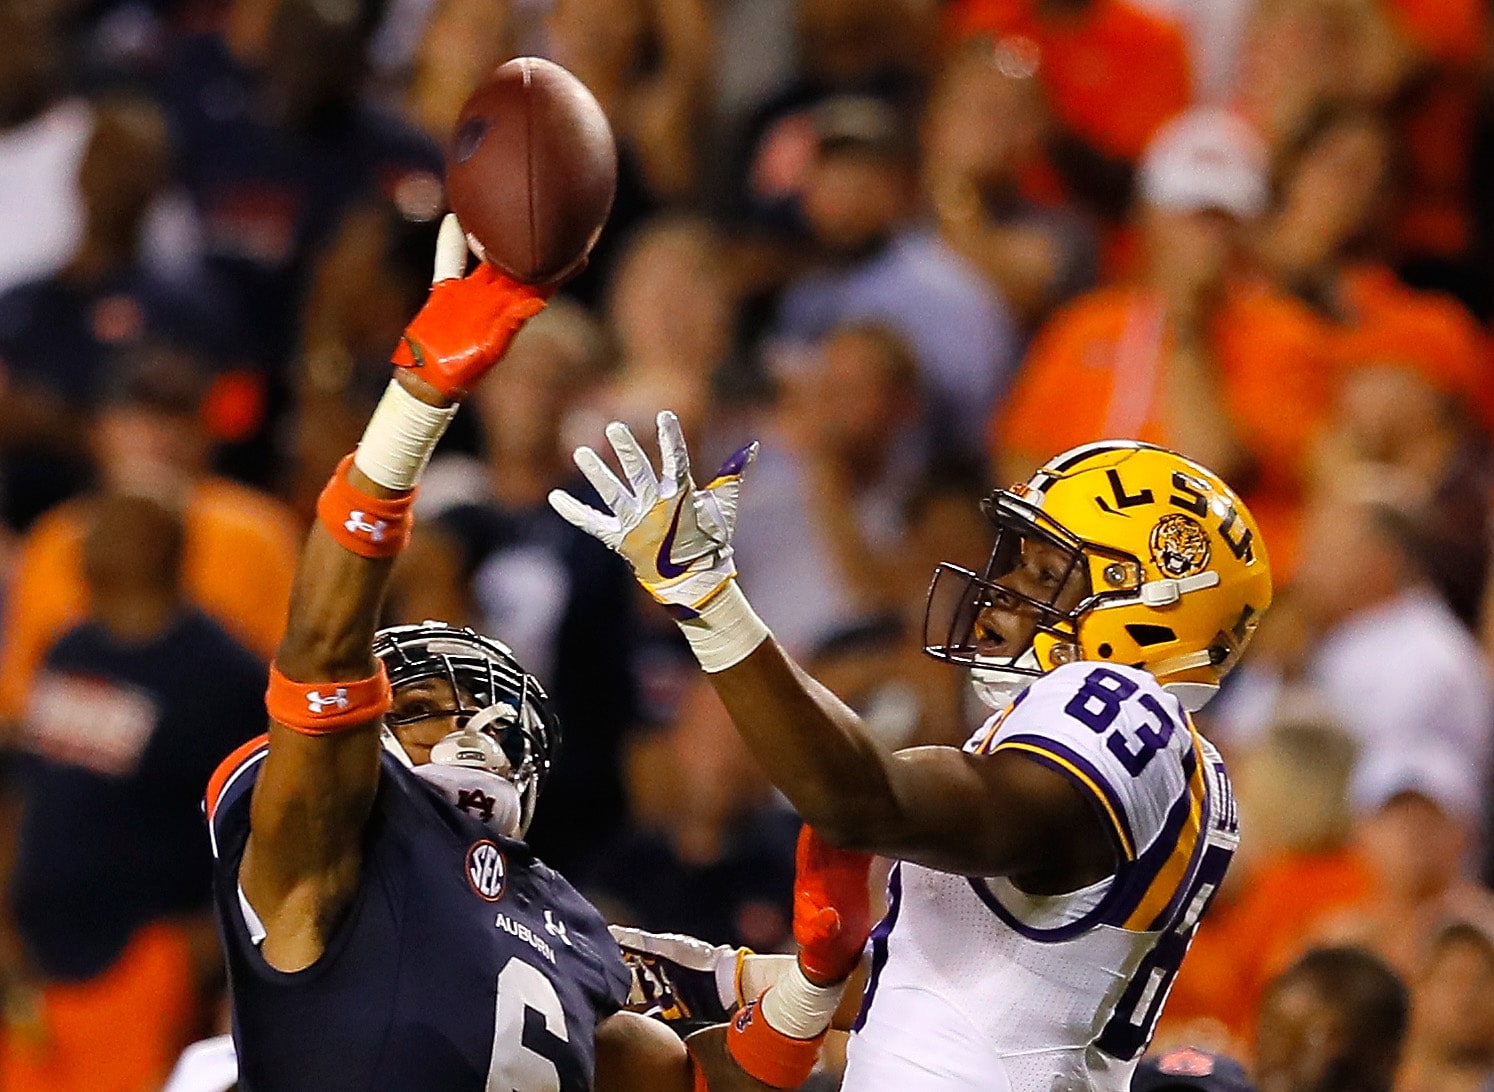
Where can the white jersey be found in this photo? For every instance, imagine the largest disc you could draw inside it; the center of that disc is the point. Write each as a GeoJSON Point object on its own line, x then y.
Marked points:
{"type": "Point", "coordinates": [977, 985]}
{"type": "Point", "coordinates": [211, 1065]}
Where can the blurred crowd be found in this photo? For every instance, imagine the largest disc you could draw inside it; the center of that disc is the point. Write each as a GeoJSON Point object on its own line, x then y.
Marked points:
{"type": "Point", "coordinates": [914, 246]}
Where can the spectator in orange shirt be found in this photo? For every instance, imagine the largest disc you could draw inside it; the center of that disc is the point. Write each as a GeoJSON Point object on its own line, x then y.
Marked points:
{"type": "Point", "coordinates": [1114, 74]}
{"type": "Point", "coordinates": [1192, 357]}
{"type": "Point", "coordinates": [241, 544]}
{"type": "Point", "coordinates": [108, 958]}
{"type": "Point", "coordinates": [1336, 185]}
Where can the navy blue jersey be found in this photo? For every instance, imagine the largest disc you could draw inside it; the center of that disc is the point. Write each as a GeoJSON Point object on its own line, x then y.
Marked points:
{"type": "Point", "coordinates": [464, 964]}
{"type": "Point", "coordinates": [116, 742]}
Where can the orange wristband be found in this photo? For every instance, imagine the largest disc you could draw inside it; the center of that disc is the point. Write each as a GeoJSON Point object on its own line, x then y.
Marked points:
{"type": "Point", "coordinates": [766, 1053]}
{"type": "Point", "coordinates": [368, 526]}
{"type": "Point", "coordinates": [320, 709]}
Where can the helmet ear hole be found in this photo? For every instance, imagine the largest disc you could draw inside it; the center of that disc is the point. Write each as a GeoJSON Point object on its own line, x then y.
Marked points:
{"type": "Point", "coordinates": [1146, 635]}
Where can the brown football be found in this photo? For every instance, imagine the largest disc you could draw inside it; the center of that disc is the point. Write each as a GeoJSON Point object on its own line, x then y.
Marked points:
{"type": "Point", "coordinates": [532, 170]}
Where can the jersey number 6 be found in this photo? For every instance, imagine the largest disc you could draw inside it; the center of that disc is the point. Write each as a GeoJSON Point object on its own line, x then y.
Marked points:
{"type": "Point", "coordinates": [515, 1066]}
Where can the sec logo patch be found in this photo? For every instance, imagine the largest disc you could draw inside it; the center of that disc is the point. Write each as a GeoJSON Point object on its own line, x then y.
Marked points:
{"type": "Point", "coordinates": [487, 871]}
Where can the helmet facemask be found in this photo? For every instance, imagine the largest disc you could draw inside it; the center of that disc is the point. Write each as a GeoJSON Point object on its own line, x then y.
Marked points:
{"type": "Point", "coordinates": [1018, 618]}
{"type": "Point", "coordinates": [495, 761]}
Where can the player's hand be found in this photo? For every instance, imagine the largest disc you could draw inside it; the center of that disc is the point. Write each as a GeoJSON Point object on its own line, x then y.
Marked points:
{"type": "Point", "coordinates": [677, 977]}
{"type": "Point", "coordinates": [832, 908]}
{"type": "Point", "coordinates": [676, 536]}
{"type": "Point", "coordinates": [467, 322]}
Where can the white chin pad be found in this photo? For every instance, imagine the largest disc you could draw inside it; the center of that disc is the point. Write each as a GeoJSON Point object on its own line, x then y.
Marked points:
{"type": "Point", "coordinates": [488, 797]}
{"type": "Point", "coordinates": [997, 687]}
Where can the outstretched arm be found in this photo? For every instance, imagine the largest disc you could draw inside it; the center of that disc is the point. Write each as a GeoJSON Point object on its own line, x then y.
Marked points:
{"type": "Point", "coordinates": [301, 865]}
{"type": "Point", "coordinates": [996, 814]}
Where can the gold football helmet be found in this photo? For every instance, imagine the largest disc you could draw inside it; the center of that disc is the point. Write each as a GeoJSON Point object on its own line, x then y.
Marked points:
{"type": "Point", "coordinates": [1116, 551]}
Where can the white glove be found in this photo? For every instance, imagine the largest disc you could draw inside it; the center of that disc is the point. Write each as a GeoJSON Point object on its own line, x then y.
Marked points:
{"type": "Point", "coordinates": [676, 536]}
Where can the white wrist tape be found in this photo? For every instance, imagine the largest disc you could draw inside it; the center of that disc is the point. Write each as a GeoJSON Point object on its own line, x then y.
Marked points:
{"type": "Point", "coordinates": [757, 973]}
{"type": "Point", "coordinates": [796, 1007]}
{"type": "Point", "coordinates": [726, 631]}
{"type": "Point", "coordinates": [400, 437]}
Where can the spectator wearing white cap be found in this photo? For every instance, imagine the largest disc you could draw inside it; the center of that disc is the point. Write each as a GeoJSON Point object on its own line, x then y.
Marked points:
{"type": "Point", "coordinates": [1194, 356]}
{"type": "Point", "coordinates": [1416, 823]}
{"type": "Point", "coordinates": [1419, 812]}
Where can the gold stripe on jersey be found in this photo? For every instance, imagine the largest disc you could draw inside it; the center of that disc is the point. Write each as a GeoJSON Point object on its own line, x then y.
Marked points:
{"type": "Point", "coordinates": [988, 741]}
{"type": "Point", "coordinates": [1088, 782]}
{"type": "Point", "coordinates": [1175, 870]}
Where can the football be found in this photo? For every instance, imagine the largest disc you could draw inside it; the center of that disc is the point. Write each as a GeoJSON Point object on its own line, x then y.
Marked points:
{"type": "Point", "coordinates": [532, 170]}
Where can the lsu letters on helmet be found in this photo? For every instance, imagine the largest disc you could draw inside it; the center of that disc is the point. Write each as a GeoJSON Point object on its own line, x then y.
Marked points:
{"type": "Point", "coordinates": [505, 730]}
{"type": "Point", "coordinates": [1141, 557]}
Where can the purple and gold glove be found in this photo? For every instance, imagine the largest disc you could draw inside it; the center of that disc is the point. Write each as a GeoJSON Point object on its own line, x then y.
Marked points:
{"type": "Point", "coordinates": [676, 535]}
{"type": "Point", "coordinates": [677, 977]}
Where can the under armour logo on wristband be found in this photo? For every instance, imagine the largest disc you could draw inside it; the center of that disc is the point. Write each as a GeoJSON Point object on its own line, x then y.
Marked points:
{"type": "Point", "coordinates": [358, 523]}
{"type": "Point", "coordinates": [337, 700]}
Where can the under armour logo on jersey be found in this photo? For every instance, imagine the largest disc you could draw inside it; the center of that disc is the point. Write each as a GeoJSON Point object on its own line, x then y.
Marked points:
{"type": "Point", "coordinates": [318, 704]}
{"type": "Point", "coordinates": [556, 928]}
{"type": "Point", "coordinates": [477, 803]}
{"type": "Point", "coordinates": [358, 523]}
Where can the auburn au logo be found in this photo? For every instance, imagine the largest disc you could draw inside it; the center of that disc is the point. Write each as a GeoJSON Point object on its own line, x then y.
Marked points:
{"type": "Point", "coordinates": [487, 871]}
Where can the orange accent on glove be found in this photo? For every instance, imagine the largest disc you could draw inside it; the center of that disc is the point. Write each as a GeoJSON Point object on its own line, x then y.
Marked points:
{"type": "Point", "coordinates": [832, 907]}
{"type": "Point", "coordinates": [465, 327]}
{"type": "Point", "coordinates": [767, 1054]}
{"type": "Point", "coordinates": [323, 708]}
{"type": "Point", "coordinates": [369, 526]}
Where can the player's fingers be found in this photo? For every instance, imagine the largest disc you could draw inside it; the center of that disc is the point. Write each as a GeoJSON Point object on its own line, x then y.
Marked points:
{"type": "Point", "coordinates": [814, 926]}
{"type": "Point", "coordinates": [634, 462]}
{"type": "Point", "coordinates": [614, 494]}
{"type": "Point", "coordinates": [583, 516]}
{"type": "Point", "coordinates": [673, 454]}
{"type": "Point", "coordinates": [451, 250]}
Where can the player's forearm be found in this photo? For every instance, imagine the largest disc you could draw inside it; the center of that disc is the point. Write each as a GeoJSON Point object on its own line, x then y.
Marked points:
{"type": "Point", "coordinates": [337, 594]}
{"type": "Point", "coordinates": [333, 613]}
{"type": "Point", "coordinates": [813, 747]}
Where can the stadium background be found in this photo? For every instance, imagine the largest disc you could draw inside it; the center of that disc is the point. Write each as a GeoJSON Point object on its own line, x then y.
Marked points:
{"type": "Point", "coordinates": [915, 247]}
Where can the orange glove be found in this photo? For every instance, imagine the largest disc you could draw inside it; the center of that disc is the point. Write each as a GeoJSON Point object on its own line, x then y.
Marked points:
{"type": "Point", "coordinates": [832, 908]}
{"type": "Point", "coordinates": [467, 322]}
